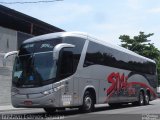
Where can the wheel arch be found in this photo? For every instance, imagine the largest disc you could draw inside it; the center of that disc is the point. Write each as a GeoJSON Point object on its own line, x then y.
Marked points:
{"type": "Point", "coordinates": [140, 90]}
{"type": "Point", "coordinates": [92, 90]}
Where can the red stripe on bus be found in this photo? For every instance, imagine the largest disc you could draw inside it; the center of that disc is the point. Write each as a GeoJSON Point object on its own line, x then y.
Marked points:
{"type": "Point", "coordinates": [143, 85]}
{"type": "Point", "coordinates": [111, 92]}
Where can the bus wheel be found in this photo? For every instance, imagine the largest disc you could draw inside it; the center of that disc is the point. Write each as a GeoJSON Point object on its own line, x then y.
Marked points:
{"type": "Point", "coordinates": [49, 110]}
{"type": "Point", "coordinates": [141, 100]}
{"type": "Point", "coordinates": [88, 102]}
{"type": "Point", "coordinates": [146, 99]}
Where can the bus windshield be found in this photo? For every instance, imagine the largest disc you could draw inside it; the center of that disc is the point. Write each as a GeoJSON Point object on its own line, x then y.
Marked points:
{"type": "Point", "coordinates": [35, 65]}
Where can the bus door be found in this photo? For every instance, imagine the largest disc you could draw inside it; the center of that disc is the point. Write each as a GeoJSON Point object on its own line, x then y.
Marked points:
{"type": "Point", "coordinates": [65, 74]}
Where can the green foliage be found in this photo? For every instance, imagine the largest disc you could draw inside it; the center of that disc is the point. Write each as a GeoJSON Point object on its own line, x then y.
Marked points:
{"type": "Point", "coordinates": [141, 45]}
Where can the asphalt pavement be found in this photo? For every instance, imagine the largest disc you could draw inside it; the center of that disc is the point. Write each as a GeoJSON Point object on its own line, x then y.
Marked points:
{"type": "Point", "coordinates": [102, 112]}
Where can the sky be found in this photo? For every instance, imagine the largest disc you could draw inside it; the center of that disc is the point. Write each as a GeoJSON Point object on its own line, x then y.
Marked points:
{"type": "Point", "coordinates": [105, 19]}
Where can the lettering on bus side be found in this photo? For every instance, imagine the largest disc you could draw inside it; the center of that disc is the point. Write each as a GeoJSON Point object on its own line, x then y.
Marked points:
{"type": "Point", "coordinates": [119, 82]}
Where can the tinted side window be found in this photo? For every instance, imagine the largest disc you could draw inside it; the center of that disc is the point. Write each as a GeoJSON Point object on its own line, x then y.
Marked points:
{"type": "Point", "coordinates": [94, 55]}
{"type": "Point", "coordinates": [141, 65]}
{"type": "Point", "coordinates": [102, 55]}
{"type": "Point", "coordinates": [70, 56]}
{"type": "Point", "coordinates": [66, 63]}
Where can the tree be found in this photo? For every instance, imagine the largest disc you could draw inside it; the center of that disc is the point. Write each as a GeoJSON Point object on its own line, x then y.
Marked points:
{"type": "Point", "coordinates": [141, 45]}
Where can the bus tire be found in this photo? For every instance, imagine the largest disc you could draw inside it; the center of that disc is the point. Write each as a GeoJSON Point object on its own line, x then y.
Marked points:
{"type": "Point", "coordinates": [146, 99]}
{"type": "Point", "coordinates": [49, 110]}
{"type": "Point", "coordinates": [88, 102]}
{"type": "Point", "coordinates": [141, 100]}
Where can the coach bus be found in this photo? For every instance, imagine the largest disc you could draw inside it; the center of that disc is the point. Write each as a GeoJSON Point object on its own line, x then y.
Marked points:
{"type": "Point", "coordinates": [72, 69]}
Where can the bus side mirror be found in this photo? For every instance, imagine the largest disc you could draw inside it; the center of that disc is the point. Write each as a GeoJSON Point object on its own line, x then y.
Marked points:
{"type": "Point", "coordinates": [58, 48]}
{"type": "Point", "coordinates": [7, 55]}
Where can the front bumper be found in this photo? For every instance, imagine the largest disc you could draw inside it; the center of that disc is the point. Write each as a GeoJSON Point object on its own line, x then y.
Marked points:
{"type": "Point", "coordinates": [37, 101]}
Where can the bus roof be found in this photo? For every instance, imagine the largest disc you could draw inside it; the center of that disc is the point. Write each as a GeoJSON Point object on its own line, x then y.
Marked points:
{"type": "Point", "coordinates": [83, 35]}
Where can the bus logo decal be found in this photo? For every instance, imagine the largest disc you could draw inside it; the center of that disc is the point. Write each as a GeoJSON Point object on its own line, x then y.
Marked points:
{"type": "Point", "coordinates": [117, 81]}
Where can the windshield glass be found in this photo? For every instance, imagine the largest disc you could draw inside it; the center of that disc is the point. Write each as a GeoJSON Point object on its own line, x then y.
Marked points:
{"type": "Point", "coordinates": [45, 67]}
{"type": "Point", "coordinates": [35, 65]}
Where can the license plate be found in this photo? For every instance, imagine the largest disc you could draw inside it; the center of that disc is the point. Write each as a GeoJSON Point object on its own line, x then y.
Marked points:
{"type": "Point", "coordinates": [28, 103]}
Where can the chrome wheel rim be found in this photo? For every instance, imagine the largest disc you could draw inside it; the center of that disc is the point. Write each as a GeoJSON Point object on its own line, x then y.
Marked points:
{"type": "Point", "coordinates": [141, 99]}
{"type": "Point", "coordinates": [88, 103]}
{"type": "Point", "coordinates": [147, 99]}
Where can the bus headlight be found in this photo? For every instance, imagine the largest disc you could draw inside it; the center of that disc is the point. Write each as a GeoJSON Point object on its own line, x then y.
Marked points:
{"type": "Point", "coordinates": [55, 89]}
{"type": "Point", "coordinates": [14, 91]}
{"type": "Point", "coordinates": [47, 92]}
{"type": "Point", "coordinates": [58, 88]}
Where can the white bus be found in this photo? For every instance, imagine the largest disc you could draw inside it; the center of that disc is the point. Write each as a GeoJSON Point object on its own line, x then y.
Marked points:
{"type": "Point", "coordinates": [71, 69]}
